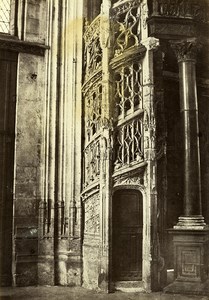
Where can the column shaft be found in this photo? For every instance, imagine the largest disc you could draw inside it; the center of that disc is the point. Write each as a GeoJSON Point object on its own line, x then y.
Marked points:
{"type": "Point", "coordinates": [189, 112]}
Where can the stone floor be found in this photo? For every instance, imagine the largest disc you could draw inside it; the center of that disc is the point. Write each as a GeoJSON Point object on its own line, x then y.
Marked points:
{"type": "Point", "coordinates": [68, 293]}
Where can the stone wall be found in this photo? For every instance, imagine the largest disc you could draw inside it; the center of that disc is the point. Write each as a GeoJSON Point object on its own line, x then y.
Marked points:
{"type": "Point", "coordinates": [29, 141]}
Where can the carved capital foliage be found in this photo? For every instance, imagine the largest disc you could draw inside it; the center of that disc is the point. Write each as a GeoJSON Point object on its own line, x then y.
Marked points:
{"type": "Point", "coordinates": [151, 43]}
{"type": "Point", "coordinates": [186, 49]}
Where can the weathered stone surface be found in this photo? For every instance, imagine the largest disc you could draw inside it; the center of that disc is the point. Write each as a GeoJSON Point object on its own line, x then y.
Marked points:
{"type": "Point", "coordinates": [26, 273]}
{"type": "Point", "coordinates": [90, 265]}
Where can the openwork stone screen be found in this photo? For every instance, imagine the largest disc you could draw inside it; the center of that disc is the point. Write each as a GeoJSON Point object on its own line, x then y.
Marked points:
{"type": "Point", "coordinates": [128, 89]}
{"type": "Point", "coordinates": [126, 16]}
{"type": "Point", "coordinates": [5, 16]}
{"type": "Point", "coordinates": [129, 143]}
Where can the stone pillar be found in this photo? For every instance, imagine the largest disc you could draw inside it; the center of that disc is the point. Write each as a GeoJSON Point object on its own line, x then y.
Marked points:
{"type": "Point", "coordinates": [190, 235]}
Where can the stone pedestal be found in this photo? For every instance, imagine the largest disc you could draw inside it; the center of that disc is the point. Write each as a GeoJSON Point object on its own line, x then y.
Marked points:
{"type": "Point", "coordinates": [190, 262]}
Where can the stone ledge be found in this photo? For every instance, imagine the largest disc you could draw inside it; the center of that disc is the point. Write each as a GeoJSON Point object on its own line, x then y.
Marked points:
{"type": "Point", "coordinates": [13, 44]}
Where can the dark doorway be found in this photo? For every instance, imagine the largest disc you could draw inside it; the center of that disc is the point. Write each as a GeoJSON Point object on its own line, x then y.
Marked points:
{"type": "Point", "coordinates": [8, 69]}
{"type": "Point", "coordinates": [127, 235]}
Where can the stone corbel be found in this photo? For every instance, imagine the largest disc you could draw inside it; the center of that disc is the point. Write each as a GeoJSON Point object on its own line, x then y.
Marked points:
{"type": "Point", "coordinates": [151, 43]}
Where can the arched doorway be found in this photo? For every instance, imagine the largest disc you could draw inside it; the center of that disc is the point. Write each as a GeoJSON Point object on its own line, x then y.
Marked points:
{"type": "Point", "coordinates": [127, 235]}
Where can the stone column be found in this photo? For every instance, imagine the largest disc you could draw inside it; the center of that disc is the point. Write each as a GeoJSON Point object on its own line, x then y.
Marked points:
{"type": "Point", "coordinates": [190, 235]}
{"type": "Point", "coordinates": [186, 54]}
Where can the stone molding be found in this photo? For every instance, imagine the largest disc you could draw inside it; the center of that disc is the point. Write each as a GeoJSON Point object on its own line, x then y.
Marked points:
{"type": "Point", "coordinates": [194, 9]}
{"type": "Point", "coordinates": [22, 46]}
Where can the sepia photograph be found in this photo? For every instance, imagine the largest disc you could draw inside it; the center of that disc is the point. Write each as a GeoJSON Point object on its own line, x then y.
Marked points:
{"type": "Point", "coordinates": [104, 149]}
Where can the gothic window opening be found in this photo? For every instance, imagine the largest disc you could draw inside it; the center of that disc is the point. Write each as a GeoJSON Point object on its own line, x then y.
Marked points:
{"type": "Point", "coordinates": [128, 90]}
{"type": "Point", "coordinates": [128, 115]}
{"type": "Point", "coordinates": [129, 143]}
{"type": "Point", "coordinates": [5, 12]}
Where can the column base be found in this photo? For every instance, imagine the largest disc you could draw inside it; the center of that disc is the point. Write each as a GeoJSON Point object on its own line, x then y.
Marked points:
{"type": "Point", "coordinates": [191, 265]}
{"type": "Point", "coordinates": [191, 223]}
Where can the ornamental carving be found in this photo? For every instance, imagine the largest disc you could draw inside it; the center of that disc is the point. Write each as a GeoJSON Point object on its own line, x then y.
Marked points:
{"type": "Point", "coordinates": [91, 163]}
{"type": "Point", "coordinates": [92, 110]}
{"type": "Point", "coordinates": [186, 49]}
{"type": "Point", "coordinates": [92, 214]}
{"type": "Point", "coordinates": [136, 181]}
{"type": "Point", "coordinates": [183, 8]}
{"type": "Point", "coordinates": [92, 48]}
{"type": "Point", "coordinates": [126, 25]}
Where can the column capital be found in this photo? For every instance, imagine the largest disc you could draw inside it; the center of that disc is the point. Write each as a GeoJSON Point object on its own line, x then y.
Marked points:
{"type": "Point", "coordinates": [151, 43]}
{"type": "Point", "coordinates": [186, 50]}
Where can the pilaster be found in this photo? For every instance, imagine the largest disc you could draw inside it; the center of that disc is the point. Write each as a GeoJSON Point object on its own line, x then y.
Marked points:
{"type": "Point", "coordinates": [149, 261]}
{"type": "Point", "coordinates": [46, 270]}
{"type": "Point", "coordinates": [73, 52]}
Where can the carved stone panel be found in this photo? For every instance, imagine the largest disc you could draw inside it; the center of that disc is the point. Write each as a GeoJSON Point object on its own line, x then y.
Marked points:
{"type": "Point", "coordinates": [92, 214]}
